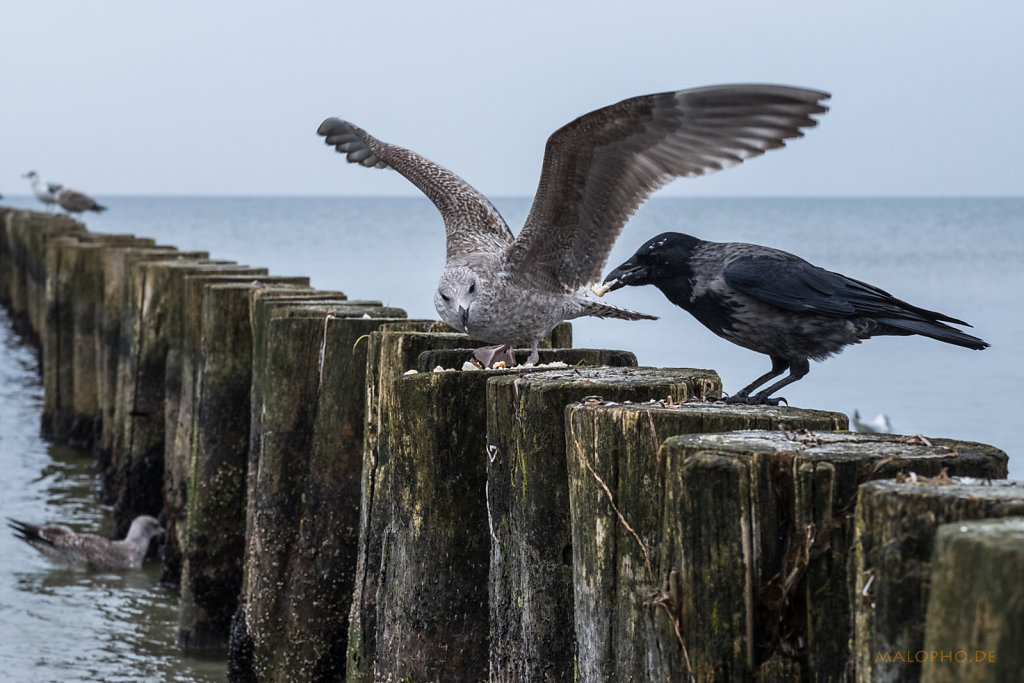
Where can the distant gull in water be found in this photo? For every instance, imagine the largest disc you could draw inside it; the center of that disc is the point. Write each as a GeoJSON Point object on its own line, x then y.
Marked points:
{"type": "Point", "coordinates": [74, 201]}
{"type": "Point", "coordinates": [597, 171]}
{"type": "Point", "coordinates": [45, 192]}
{"type": "Point", "coordinates": [90, 551]}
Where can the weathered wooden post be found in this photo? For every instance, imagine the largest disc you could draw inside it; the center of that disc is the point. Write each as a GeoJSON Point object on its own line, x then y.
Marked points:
{"type": "Point", "coordinates": [309, 375]}
{"type": "Point", "coordinates": [531, 600]}
{"type": "Point", "coordinates": [392, 350]}
{"type": "Point", "coordinates": [30, 233]}
{"type": "Point", "coordinates": [86, 411]}
{"type": "Point", "coordinates": [756, 535]}
{"type": "Point", "coordinates": [216, 462]}
{"type": "Point", "coordinates": [56, 337]}
{"type": "Point", "coordinates": [117, 265]}
{"type": "Point", "coordinates": [896, 523]}
{"type": "Point", "coordinates": [975, 614]}
{"type": "Point", "coordinates": [616, 494]}
{"type": "Point", "coordinates": [7, 266]}
{"type": "Point", "coordinates": [136, 473]}
{"type": "Point", "coordinates": [69, 341]}
{"type": "Point", "coordinates": [184, 358]}
{"type": "Point", "coordinates": [432, 620]}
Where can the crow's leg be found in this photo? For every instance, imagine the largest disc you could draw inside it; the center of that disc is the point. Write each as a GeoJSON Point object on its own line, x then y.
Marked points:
{"type": "Point", "coordinates": [797, 369]}
{"type": "Point", "coordinates": [779, 366]}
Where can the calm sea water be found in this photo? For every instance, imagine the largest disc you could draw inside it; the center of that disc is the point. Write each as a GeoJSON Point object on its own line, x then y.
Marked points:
{"type": "Point", "coordinates": [959, 256]}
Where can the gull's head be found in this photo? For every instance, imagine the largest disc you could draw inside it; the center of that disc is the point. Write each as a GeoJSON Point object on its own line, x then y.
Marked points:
{"type": "Point", "coordinates": [456, 294]}
{"type": "Point", "coordinates": [145, 527]}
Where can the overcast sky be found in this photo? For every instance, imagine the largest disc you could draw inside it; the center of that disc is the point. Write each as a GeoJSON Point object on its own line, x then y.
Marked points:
{"type": "Point", "coordinates": [189, 97]}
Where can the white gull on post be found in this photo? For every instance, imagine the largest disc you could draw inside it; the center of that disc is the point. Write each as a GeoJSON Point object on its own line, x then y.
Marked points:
{"type": "Point", "coordinates": [44, 191]}
{"type": "Point", "coordinates": [597, 171]}
{"type": "Point", "coordinates": [89, 551]}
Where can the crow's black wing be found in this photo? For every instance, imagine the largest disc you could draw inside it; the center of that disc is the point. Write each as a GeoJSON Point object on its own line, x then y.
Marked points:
{"type": "Point", "coordinates": [793, 284]}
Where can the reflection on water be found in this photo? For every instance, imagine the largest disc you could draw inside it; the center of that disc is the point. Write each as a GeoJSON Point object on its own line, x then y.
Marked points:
{"type": "Point", "coordinates": [59, 624]}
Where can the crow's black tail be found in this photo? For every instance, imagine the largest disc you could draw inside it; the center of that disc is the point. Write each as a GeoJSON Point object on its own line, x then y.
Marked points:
{"type": "Point", "coordinates": [935, 330]}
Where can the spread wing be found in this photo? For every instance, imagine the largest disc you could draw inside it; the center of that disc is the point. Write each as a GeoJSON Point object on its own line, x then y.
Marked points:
{"type": "Point", "coordinates": [471, 222]}
{"type": "Point", "coordinates": [601, 167]}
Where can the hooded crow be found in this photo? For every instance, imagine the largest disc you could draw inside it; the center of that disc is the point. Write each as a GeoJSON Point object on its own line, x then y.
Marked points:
{"type": "Point", "coordinates": [775, 303]}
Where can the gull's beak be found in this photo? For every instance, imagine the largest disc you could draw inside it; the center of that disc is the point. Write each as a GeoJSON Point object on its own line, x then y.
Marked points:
{"type": "Point", "coordinates": [464, 317]}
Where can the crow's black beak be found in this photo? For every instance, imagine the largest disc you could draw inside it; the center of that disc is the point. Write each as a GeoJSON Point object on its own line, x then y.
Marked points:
{"type": "Point", "coordinates": [628, 273]}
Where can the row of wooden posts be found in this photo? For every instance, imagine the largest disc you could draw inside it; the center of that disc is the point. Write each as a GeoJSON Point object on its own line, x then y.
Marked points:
{"type": "Point", "coordinates": [334, 516]}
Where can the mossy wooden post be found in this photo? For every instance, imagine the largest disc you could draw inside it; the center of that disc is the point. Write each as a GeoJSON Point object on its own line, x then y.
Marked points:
{"type": "Point", "coordinates": [269, 304]}
{"type": "Point", "coordinates": [7, 266]}
{"type": "Point", "coordinates": [74, 274]}
{"type": "Point", "coordinates": [302, 545]}
{"type": "Point", "coordinates": [136, 473]}
{"type": "Point", "coordinates": [57, 359]}
{"type": "Point", "coordinates": [975, 614]}
{"type": "Point", "coordinates": [184, 357]}
{"type": "Point", "coordinates": [88, 347]}
{"type": "Point", "coordinates": [431, 472]}
{"type": "Point", "coordinates": [391, 350]}
{"type": "Point", "coordinates": [531, 601]}
{"type": "Point", "coordinates": [756, 535]}
{"type": "Point", "coordinates": [117, 264]}
{"type": "Point", "coordinates": [616, 495]}
{"type": "Point", "coordinates": [31, 232]}
{"type": "Point", "coordinates": [896, 524]}
{"type": "Point", "coordinates": [214, 539]}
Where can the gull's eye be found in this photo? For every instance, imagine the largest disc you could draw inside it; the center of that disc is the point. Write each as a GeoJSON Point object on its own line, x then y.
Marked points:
{"type": "Point", "coordinates": [472, 287]}
{"type": "Point", "coordinates": [446, 299]}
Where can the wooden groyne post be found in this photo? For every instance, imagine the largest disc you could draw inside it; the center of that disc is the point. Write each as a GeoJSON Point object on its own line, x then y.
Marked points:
{"type": "Point", "coordinates": [346, 503]}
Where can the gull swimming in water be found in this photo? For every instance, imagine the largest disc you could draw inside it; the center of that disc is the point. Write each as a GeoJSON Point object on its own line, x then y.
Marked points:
{"type": "Point", "coordinates": [89, 551]}
{"type": "Point", "coordinates": [44, 192]}
{"type": "Point", "coordinates": [74, 201]}
{"type": "Point", "coordinates": [597, 171]}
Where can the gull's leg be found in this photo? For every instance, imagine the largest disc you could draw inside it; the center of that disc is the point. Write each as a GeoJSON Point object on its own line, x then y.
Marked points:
{"type": "Point", "coordinates": [534, 354]}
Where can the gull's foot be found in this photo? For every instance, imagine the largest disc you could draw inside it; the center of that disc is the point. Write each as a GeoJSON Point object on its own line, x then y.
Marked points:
{"type": "Point", "coordinates": [487, 356]}
{"type": "Point", "coordinates": [755, 400]}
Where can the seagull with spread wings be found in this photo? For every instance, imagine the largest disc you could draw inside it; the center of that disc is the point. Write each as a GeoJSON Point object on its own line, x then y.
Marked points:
{"type": "Point", "coordinates": [597, 171]}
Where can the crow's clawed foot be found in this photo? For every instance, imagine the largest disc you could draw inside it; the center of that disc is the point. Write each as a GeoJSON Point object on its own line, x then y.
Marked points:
{"type": "Point", "coordinates": [499, 353]}
{"type": "Point", "coordinates": [755, 400]}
